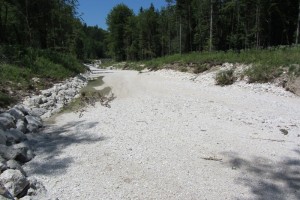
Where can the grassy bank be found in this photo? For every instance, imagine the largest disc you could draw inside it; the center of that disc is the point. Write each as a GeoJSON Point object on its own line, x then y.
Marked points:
{"type": "Point", "coordinates": [277, 56]}
{"type": "Point", "coordinates": [267, 63]}
{"type": "Point", "coordinates": [18, 67]}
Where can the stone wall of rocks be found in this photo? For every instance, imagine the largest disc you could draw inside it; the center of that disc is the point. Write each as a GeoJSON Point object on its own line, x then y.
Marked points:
{"type": "Point", "coordinates": [17, 127]}
{"type": "Point", "coordinates": [52, 100]}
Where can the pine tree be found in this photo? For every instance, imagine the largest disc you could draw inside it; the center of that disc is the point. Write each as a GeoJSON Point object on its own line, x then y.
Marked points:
{"type": "Point", "coordinates": [116, 21]}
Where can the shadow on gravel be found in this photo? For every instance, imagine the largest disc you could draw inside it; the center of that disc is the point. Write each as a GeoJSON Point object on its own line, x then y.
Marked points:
{"type": "Point", "coordinates": [53, 142]}
{"type": "Point", "coordinates": [268, 179]}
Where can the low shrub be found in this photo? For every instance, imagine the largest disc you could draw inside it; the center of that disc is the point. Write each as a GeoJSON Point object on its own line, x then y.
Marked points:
{"type": "Point", "coordinates": [294, 70]}
{"type": "Point", "coordinates": [184, 69]}
{"type": "Point", "coordinates": [13, 73]}
{"type": "Point", "coordinates": [5, 100]}
{"type": "Point", "coordinates": [263, 73]}
{"type": "Point", "coordinates": [200, 68]}
{"type": "Point", "coordinates": [225, 77]}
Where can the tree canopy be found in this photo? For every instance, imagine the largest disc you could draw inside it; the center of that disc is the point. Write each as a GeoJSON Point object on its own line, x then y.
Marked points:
{"type": "Point", "coordinates": [197, 25]}
{"type": "Point", "coordinates": [49, 24]}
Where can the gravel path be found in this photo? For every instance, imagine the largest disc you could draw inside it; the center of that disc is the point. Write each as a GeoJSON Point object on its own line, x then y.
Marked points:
{"type": "Point", "coordinates": [169, 137]}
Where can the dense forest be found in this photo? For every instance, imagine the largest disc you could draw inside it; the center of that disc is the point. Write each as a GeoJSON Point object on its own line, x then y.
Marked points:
{"type": "Point", "coordinates": [182, 26]}
{"type": "Point", "coordinates": [49, 24]}
{"type": "Point", "coordinates": [45, 39]}
{"type": "Point", "coordinates": [201, 25]}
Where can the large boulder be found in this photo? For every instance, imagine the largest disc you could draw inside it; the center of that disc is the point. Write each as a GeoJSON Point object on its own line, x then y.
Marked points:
{"type": "Point", "coordinates": [63, 87]}
{"type": "Point", "coordinates": [12, 164]}
{"type": "Point", "coordinates": [21, 126]}
{"type": "Point", "coordinates": [38, 111]}
{"type": "Point", "coordinates": [3, 165]}
{"type": "Point", "coordinates": [55, 89]}
{"type": "Point", "coordinates": [4, 193]}
{"type": "Point", "coordinates": [7, 152]}
{"type": "Point", "coordinates": [46, 115]}
{"type": "Point", "coordinates": [22, 108]}
{"type": "Point", "coordinates": [70, 92]}
{"type": "Point", "coordinates": [7, 121]}
{"type": "Point", "coordinates": [3, 139]}
{"type": "Point", "coordinates": [25, 152]}
{"type": "Point", "coordinates": [33, 101]}
{"type": "Point", "coordinates": [17, 153]}
{"type": "Point", "coordinates": [81, 77]}
{"type": "Point", "coordinates": [16, 113]}
{"type": "Point", "coordinates": [7, 115]}
{"type": "Point", "coordinates": [33, 123]}
{"type": "Point", "coordinates": [44, 100]}
{"type": "Point", "coordinates": [47, 105]}
{"type": "Point", "coordinates": [46, 93]}
{"type": "Point", "coordinates": [14, 181]}
{"type": "Point", "coordinates": [2, 127]}
{"type": "Point", "coordinates": [14, 136]}
{"type": "Point", "coordinates": [37, 189]}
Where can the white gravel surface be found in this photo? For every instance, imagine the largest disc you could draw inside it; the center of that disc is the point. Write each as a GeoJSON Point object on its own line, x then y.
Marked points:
{"type": "Point", "coordinates": [167, 136]}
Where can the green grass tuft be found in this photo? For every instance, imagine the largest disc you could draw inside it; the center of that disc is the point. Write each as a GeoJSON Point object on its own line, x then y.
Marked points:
{"type": "Point", "coordinates": [5, 100]}
{"type": "Point", "coordinates": [225, 77]}
{"type": "Point", "coordinates": [263, 73]}
{"type": "Point", "coordinates": [200, 68]}
{"type": "Point", "coordinates": [267, 63]}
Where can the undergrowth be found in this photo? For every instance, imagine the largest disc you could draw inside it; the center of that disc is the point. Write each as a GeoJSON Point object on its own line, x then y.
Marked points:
{"type": "Point", "coordinates": [19, 65]}
{"type": "Point", "coordinates": [263, 73]}
{"type": "Point", "coordinates": [267, 63]}
{"type": "Point", "coordinates": [38, 63]}
{"type": "Point", "coordinates": [225, 77]}
{"type": "Point", "coordinates": [5, 99]}
{"type": "Point", "coordinates": [275, 57]}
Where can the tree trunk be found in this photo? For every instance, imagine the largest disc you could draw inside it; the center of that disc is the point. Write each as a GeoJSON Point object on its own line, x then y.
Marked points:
{"type": "Point", "coordinates": [180, 38]}
{"type": "Point", "coordinates": [169, 37]}
{"type": "Point", "coordinates": [298, 24]}
{"type": "Point", "coordinates": [211, 25]}
{"type": "Point", "coordinates": [238, 45]}
{"type": "Point", "coordinates": [1, 26]}
{"type": "Point", "coordinates": [257, 25]}
{"type": "Point", "coordinates": [190, 29]}
{"type": "Point", "coordinates": [27, 23]}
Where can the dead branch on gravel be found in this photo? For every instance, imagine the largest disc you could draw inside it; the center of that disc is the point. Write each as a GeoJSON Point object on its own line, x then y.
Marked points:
{"type": "Point", "coordinates": [212, 158]}
{"type": "Point", "coordinates": [91, 98]}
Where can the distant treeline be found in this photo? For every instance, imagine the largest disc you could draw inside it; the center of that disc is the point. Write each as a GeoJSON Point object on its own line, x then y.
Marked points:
{"type": "Point", "coordinates": [48, 24]}
{"type": "Point", "coordinates": [199, 25]}
{"type": "Point", "coordinates": [182, 26]}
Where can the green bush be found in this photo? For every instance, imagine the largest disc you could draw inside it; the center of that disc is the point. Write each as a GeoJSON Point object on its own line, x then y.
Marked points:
{"type": "Point", "coordinates": [47, 69]}
{"type": "Point", "coordinates": [294, 70]}
{"type": "Point", "coordinates": [201, 68]}
{"type": "Point", "coordinates": [225, 77]}
{"type": "Point", "coordinates": [183, 69]}
{"type": "Point", "coordinates": [263, 73]}
{"type": "Point", "coordinates": [5, 100]}
{"type": "Point", "coordinates": [14, 74]}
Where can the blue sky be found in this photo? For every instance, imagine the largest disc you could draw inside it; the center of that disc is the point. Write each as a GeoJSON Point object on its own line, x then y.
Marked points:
{"type": "Point", "coordinates": [94, 12]}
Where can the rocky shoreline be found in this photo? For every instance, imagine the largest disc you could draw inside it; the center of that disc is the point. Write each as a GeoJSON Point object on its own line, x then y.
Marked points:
{"type": "Point", "coordinates": [19, 126]}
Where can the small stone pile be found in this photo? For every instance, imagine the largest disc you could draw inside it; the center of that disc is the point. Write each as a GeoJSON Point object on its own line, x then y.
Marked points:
{"type": "Point", "coordinates": [52, 100]}
{"type": "Point", "coordinates": [18, 126]}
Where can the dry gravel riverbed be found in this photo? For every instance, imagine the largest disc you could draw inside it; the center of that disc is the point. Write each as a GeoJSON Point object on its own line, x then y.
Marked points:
{"type": "Point", "coordinates": [169, 137]}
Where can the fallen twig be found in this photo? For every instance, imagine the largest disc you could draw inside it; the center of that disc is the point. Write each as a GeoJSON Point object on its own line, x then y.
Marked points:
{"type": "Point", "coordinates": [92, 98]}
